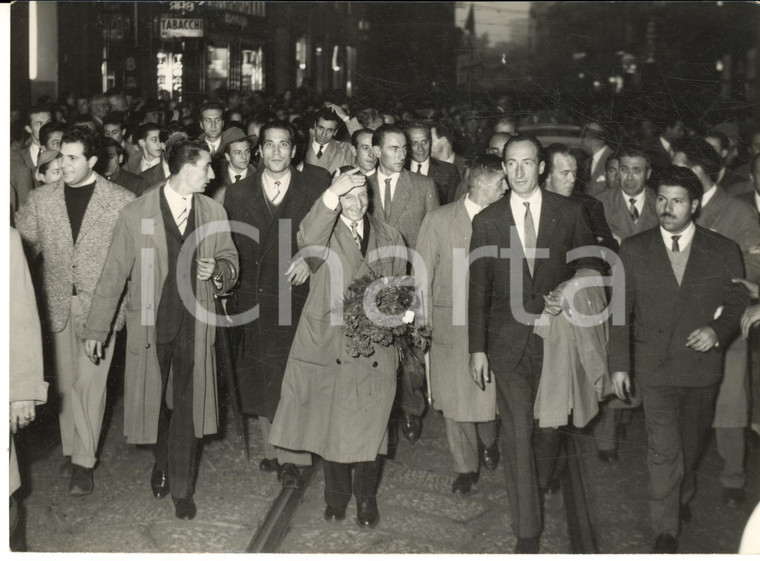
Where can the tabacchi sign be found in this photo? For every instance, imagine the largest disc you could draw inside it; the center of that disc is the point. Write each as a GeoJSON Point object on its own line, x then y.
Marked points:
{"type": "Point", "coordinates": [181, 27]}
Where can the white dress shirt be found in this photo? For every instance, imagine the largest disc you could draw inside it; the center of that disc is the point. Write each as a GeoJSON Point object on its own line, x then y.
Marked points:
{"type": "Point", "coordinates": [518, 212]}
{"type": "Point", "coordinates": [471, 207]}
{"type": "Point", "coordinates": [757, 201]}
{"type": "Point", "coordinates": [146, 165]}
{"type": "Point", "coordinates": [178, 203]}
{"type": "Point", "coordinates": [683, 242]}
{"type": "Point", "coordinates": [381, 185]}
{"type": "Point", "coordinates": [709, 194]}
{"type": "Point", "coordinates": [34, 152]}
{"type": "Point", "coordinates": [243, 174]}
{"type": "Point", "coordinates": [214, 145]}
{"type": "Point", "coordinates": [271, 190]}
{"type": "Point", "coordinates": [424, 169]}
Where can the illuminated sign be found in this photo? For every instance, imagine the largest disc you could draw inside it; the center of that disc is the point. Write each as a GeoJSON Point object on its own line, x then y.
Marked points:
{"type": "Point", "coordinates": [181, 27]}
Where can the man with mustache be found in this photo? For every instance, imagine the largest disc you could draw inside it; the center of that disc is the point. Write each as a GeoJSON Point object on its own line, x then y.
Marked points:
{"type": "Point", "coordinates": [684, 309]}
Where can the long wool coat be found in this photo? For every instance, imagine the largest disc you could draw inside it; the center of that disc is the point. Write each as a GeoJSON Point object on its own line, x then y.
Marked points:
{"type": "Point", "coordinates": [265, 343]}
{"type": "Point", "coordinates": [138, 257]}
{"type": "Point", "coordinates": [332, 404]}
{"type": "Point", "coordinates": [445, 230]}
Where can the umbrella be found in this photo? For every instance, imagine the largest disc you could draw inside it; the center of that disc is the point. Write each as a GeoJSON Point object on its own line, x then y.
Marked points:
{"type": "Point", "coordinates": [225, 363]}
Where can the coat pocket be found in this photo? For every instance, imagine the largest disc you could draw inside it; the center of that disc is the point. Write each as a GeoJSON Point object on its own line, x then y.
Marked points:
{"type": "Point", "coordinates": [315, 340]}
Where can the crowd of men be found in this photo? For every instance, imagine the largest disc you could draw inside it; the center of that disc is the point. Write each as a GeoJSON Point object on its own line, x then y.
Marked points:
{"type": "Point", "coordinates": [122, 207]}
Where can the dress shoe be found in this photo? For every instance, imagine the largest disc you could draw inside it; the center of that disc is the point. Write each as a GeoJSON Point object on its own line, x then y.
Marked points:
{"type": "Point", "coordinates": [335, 514]}
{"type": "Point", "coordinates": [411, 426]}
{"type": "Point", "coordinates": [184, 508]}
{"type": "Point", "coordinates": [268, 464]}
{"type": "Point", "coordinates": [552, 488]}
{"type": "Point", "coordinates": [489, 456]}
{"type": "Point", "coordinates": [608, 456]}
{"type": "Point", "coordinates": [526, 545]}
{"type": "Point", "coordinates": [81, 481]}
{"type": "Point", "coordinates": [367, 514]}
{"type": "Point", "coordinates": [290, 476]}
{"type": "Point", "coordinates": [159, 482]}
{"type": "Point", "coordinates": [684, 513]}
{"type": "Point", "coordinates": [66, 469]}
{"type": "Point", "coordinates": [734, 496]}
{"type": "Point", "coordinates": [665, 543]}
{"type": "Point", "coordinates": [464, 482]}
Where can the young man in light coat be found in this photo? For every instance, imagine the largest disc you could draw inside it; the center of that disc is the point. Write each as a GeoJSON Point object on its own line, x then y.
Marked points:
{"type": "Point", "coordinates": [167, 240]}
{"type": "Point", "coordinates": [443, 244]}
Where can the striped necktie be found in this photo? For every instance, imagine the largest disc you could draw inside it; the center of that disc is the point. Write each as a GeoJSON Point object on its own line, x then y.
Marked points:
{"type": "Point", "coordinates": [181, 219]}
{"type": "Point", "coordinates": [634, 211]}
{"type": "Point", "coordinates": [319, 154]}
{"type": "Point", "coordinates": [355, 234]}
{"type": "Point", "coordinates": [675, 248]}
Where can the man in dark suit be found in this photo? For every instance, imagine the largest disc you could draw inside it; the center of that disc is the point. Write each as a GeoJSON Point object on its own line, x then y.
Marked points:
{"type": "Point", "coordinates": [685, 310]}
{"type": "Point", "coordinates": [275, 195]}
{"type": "Point", "coordinates": [560, 176]}
{"type": "Point", "coordinates": [535, 229]}
{"type": "Point", "coordinates": [737, 221]}
{"type": "Point", "coordinates": [442, 146]}
{"type": "Point", "coordinates": [109, 166]}
{"type": "Point", "coordinates": [593, 140]}
{"type": "Point", "coordinates": [444, 174]}
{"type": "Point", "coordinates": [237, 163]}
{"type": "Point", "coordinates": [151, 149]}
{"type": "Point", "coordinates": [402, 199]}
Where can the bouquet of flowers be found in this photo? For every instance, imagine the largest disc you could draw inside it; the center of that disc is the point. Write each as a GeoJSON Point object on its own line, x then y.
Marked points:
{"type": "Point", "coordinates": [380, 311]}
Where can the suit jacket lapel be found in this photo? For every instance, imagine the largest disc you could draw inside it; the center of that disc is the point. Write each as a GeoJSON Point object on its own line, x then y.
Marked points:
{"type": "Point", "coordinates": [291, 203]}
{"type": "Point", "coordinates": [400, 197]}
{"type": "Point", "coordinates": [95, 209]}
{"type": "Point", "coordinates": [462, 226]}
{"type": "Point", "coordinates": [63, 217]}
{"type": "Point", "coordinates": [159, 229]}
{"type": "Point", "coordinates": [550, 214]}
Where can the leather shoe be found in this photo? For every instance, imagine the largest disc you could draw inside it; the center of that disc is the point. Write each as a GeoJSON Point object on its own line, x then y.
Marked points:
{"type": "Point", "coordinates": [367, 515]}
{"type": "Point", "coordinates": [464, 482]}
{"type": "Point", "coordinates": [551, 489]}
{"type": "Point", "coordinates": [734, 496]}
{"type": "Point", "coordinates": [268, 464]}
{"type": "Point", "coordinates": [411, 426]}
{"type": "Point", "coordinates": [665, 543]}
{"type": "Point", "coordinates": [81, 481]}
{"type": "Point", "coordinates": [335, 514]}
{"type": "Point", "coordinates": [526, 545]}
{"type": "Point", "coordinates": [159, 482]}
{"type": "Point", "coordinates": [290, 476]}
{"type": "Point", "coordinates": [184, 508]}
{"type": "Point", "coordinates": [684, 514]}
{"type": "Point", "coordinates": [65, 470]}
{"type": "Point", "coordinates": [608, 456]}
{"type": "Point", "coordinates": [489, 456]}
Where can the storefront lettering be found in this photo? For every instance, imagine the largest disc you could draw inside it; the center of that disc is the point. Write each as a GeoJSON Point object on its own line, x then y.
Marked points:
{"type": "Point", "coordinates": [181, 27]}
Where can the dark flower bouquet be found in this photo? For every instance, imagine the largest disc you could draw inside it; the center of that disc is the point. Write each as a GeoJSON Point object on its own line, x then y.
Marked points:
{"type": "Point", "coordinates": [379, 310]}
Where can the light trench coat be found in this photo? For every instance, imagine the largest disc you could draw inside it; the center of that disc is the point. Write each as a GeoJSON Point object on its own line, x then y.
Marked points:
{"type": "Point", "coordinates": [445, 230]}
{"type": "Point", "coordinates": [332, 404]}
{"type": "Point", "coordinates": [138, 257]}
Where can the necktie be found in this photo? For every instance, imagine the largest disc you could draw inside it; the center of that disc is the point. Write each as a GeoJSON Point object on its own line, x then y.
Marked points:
{"type": "Point", "coordinates": [237, 178]}
{"type": "Point", "coordinates": [356, 236]}
{"type": "Point", "coordinates": [530, 237]}
{"type": "Point", "coordinates": [319, 154]}
{"type": "Point", "coordinates": [675, 248]}
{"type": "Point", "coordinates": [39, 153]}
{"type": "Point", "coordinates": [276, 191]}
{"type": "Point", "coordinates": [634, 211]}
{"type": "Point", "coordinates": [419, 168]}
{"type": "Point", "coordinates": [182, 218]}
{"type": "Point", "coordinates": [387, 199]}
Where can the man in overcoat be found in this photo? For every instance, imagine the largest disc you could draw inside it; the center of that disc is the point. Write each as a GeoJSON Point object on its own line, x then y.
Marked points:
{"type": "Point", "coordinates": [274, 200]}
{"type": "Point", "coordinates": [70, 223]}
{"type": "Point", "coordinates": [173, 251]}
{"type": "Point", "coordinates": [678, 286]}
{"type": "Point", "coordinates": [444, 241]}
{"type": "Point", "coordinates": [333, 404]}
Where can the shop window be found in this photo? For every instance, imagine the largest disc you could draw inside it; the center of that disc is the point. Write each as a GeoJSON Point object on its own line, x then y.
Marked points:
{"type": "Point", "coordinates": [169, 71]}
{"type": "Point", "coordinates": [218, 68]}
{"type": "Point", "coordinates": [253, 69]}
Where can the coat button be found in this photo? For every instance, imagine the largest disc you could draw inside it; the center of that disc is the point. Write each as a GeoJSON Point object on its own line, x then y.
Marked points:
{"type": "Point", "coordinates": [147, 306]}
{"type": "Point", "coordinates": [147, 345]}
{"type": "Point", "coordinates": [337, 360]}
{"type": "Point", "coordinates": [374, 364]}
